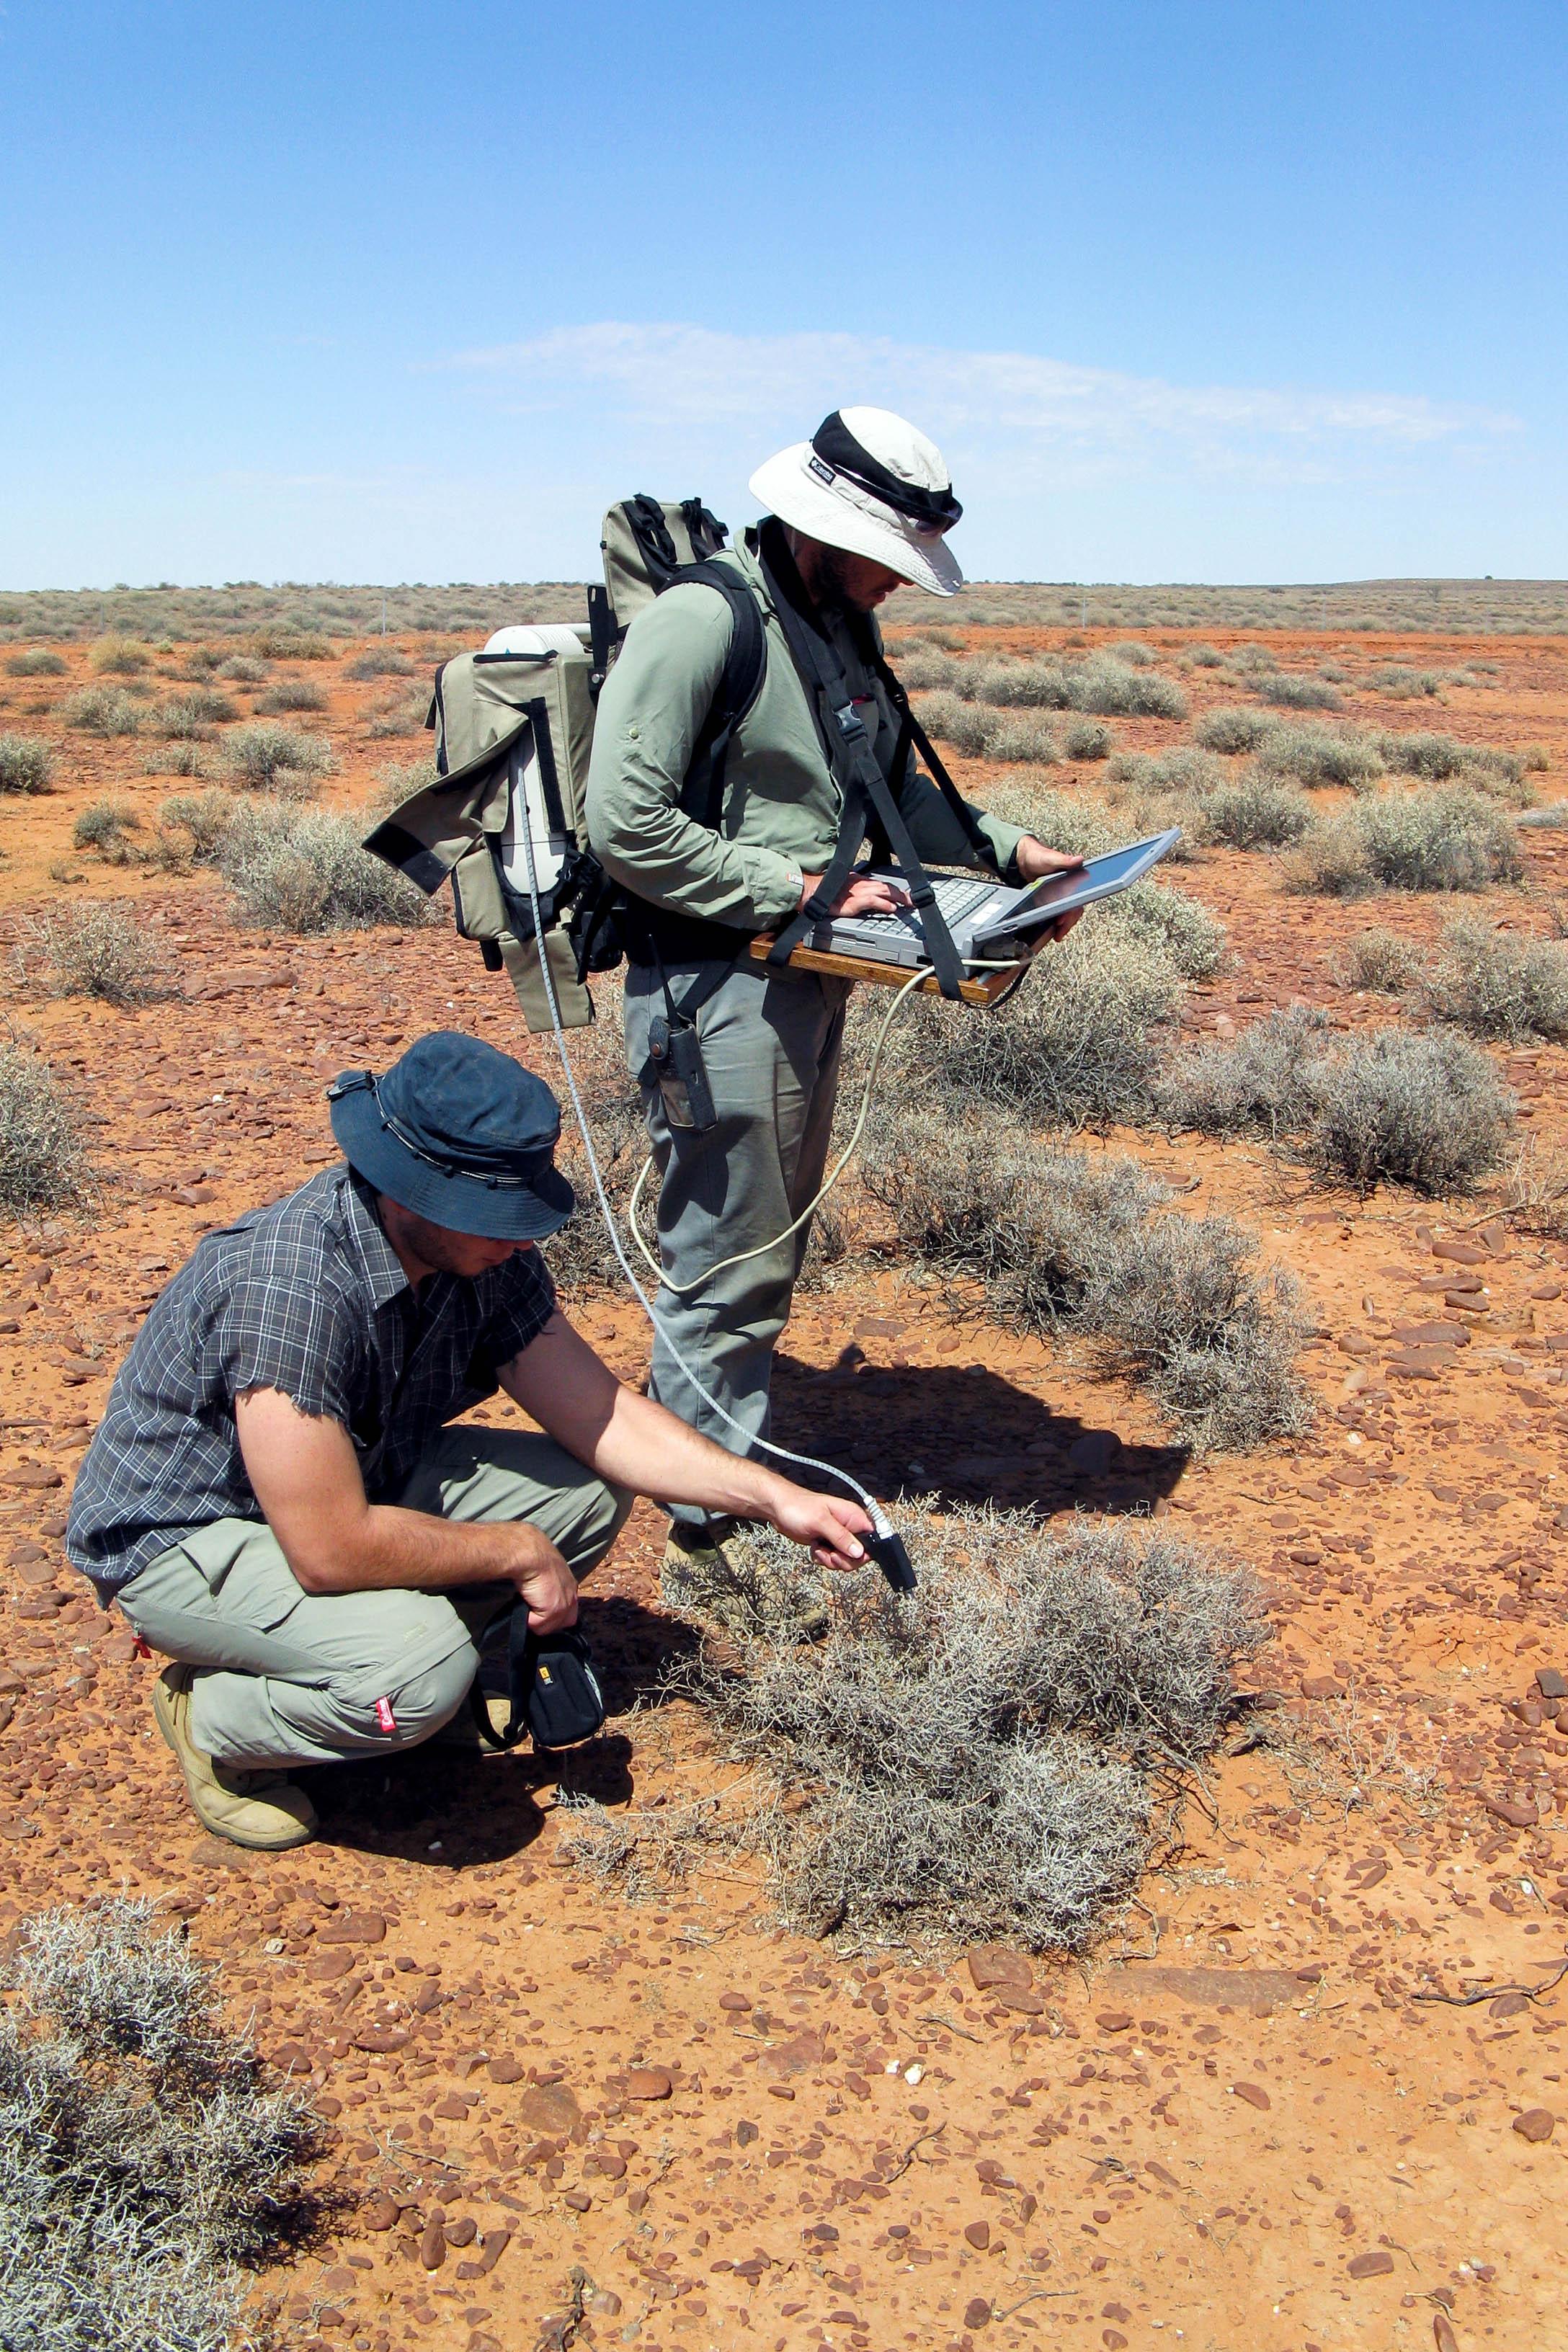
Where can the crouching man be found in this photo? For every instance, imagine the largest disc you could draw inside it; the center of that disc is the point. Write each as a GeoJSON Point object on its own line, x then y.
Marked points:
{"type": "Point", "coordinates": [274, 1499]}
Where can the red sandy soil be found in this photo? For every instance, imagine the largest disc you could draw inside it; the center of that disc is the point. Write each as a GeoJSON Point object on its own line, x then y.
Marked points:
{"type": "Point", "coordinates": [1247, 2121]}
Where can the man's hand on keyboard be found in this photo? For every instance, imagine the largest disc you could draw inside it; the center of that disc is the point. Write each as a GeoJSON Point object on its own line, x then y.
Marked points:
{"type": "Point", "coordinates": [1034, 861]}
{"type": "Point", "coordinates": [861, 895]}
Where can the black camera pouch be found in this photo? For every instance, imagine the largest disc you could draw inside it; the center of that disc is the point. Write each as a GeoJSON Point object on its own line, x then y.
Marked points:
{"type": "Point", "coordinates": [675, 1051]}
{"type": "Point", "coordinates": [555, 1692]}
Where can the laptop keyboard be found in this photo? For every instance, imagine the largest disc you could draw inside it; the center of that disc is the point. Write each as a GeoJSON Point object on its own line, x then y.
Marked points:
{"type": "Point", "coordinates": [956, 897]}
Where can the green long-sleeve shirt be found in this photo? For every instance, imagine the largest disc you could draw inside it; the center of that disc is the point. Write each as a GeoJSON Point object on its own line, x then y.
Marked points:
{"type": "Point", "coordinates": [782, 807]}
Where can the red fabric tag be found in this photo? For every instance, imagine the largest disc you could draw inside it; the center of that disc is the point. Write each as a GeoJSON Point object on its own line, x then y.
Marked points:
{"type": "Point", "coordinates": [139, 1648]}
{"type": "Point", "coordinates": [384, 1717]}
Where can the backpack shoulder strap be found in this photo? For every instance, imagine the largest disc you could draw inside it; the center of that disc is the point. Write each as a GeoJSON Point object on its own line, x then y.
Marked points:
{"type": "Point", "coordinates": [911, 731]}
{"type": "Point", "coordinates": [746, 665]}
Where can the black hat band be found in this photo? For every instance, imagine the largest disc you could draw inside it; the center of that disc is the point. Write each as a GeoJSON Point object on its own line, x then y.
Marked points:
{"type": "Point", "coordinates": [836, 451]}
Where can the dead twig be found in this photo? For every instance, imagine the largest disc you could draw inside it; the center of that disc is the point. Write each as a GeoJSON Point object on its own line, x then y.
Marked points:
{"type": "Point", "coordinates": [1495, 1992]}
{"type": "Point", "coordinates": [908, 2156]}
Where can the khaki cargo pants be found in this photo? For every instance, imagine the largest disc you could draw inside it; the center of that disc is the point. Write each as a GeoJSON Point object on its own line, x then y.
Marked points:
{"type": "Point", "coordinates": [288, 1677]}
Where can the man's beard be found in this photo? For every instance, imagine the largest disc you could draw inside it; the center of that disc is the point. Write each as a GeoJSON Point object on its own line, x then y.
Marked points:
{"type": "Point", "coordinates": [832, 581]}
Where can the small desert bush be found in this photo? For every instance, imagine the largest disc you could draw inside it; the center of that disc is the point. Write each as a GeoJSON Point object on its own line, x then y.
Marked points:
{"type": "Point", "coordinates": [243, 669]}
{"type": "Point", "coordinates": [303, 870]}
{"type": "Point", "coordinates": [1133, 650]}
{"type": "Point", "coordinates": [1495, 984]}
{"type": "Point", "coordinates": [204, 816]}
{"type": "Point", "coordinates": [1316, 756]}
{"type": "Point", "coordinates": [1205, 658]}
{"type": "Point", "coordinates": [101, 710]}
{"type": "Point", "coordinates": [1386, 1105]}
{"type": "Point", "coordinates": [174, 759]}
{"type": "Point", "coordinates": [1112, 690]}
{"type": "Point", "coordinates": [1535, 759]}
{"type": "Point", "coordinates": [1288, 692]}
{"type": "Point", "coordinates": [580, 1254]}
{"type": "Point", "coordinates": [923, 667]}
{"type": "Point", "coordinates": [398, 780]}
{"type": "Point", "coordinates": [100, 949]}
{"type": "Point", "coordinates": [981, 731]}
{"type": "Point", "coordinates": [1181, 928]}
{"type": "Point", "coordinates": [379, 661]}
{"type": "Point", "coordinates": [145, 2168]}
{"type": "Point", "coordinates": [191, 716]}
{"type": "Point", "coordinates": [119, 657]}
{"type": "Point", "coordinates": [980, 1759]}
{"type": "Point", "coordinates": [283, 644]}
{"type": "Point", "coordinates": [290, 694]}
{"type": "Point", "coordinates": [1255, 813]}
{"type": "Point", "coordinates": [1402, 684]}
{"type": "Point", "coordinates": [27, 764]}
{"type": "Point", "coordinates": [1447, 838]}
{"type": "Point", "coordinates": [1183, 770]}
{"type": "Point", "coordinates": [1061, 821]}
{"type": "Point", "coordinates": [1078, 1045]}
{"type": "Point", "coordinates": [37, 662]}
{"type": "Point", "coordinates": [1380, 959]}
{"type": "Point", "coordinates": [271, 758]}
{"type": "Point", "coordinates": [43, 1154]}
{"type": "Point", "coordinates": [106, 827]}
{"type": "Point", "coordinates": [1230, 728]}
{"type": "Point", "coordinates": [1399, 1108]}
{"type": "Point", "coordinates": [1437, 759]}
{"type": "Point", "coordinates": [1087, 738]}
{"type": "Point", "coordinates": [405, 714]}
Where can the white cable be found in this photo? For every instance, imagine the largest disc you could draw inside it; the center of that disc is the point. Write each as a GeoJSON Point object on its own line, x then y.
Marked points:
{"type": "Point", "coordinates": [878, 1516]}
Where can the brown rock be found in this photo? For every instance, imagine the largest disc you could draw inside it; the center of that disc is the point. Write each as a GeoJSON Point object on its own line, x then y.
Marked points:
{"type": "Point", "coordinates": [549, 2107]}
{"type": "Point", "coordinates": [353, 1927]}
{"type": "Point", "coordinates": [1550, 1684]}
{"type": "Point", "coordinates": [326, 1967]}
{"type": "Point", "coordinates": [379, 2213]}
{"type": "Point", "coordinates": [381, 2038]}
{"type": "Point", "coordinates": [433, 2246]}
{"type": "Point", "coordinates": [995, 1964]}
{"type": "Point", "coordinates": [1518, 1811]}
{"type": "Point", "coordinates": [505, 2070]}
{"type": "Point", "coordinates": [978, 2233]}
{"type": "Point", "coordinates": [801, 2054]}
{"type": "Point", "coordinates": [578, 2199]}
{"type": "Point", "coordinates": [451, 2109]}
{"type": "Point", "coordinates": [1027, 2004]}
{"type": "Point", "coordinates": [1461, 1253]}
{"type": "Point", "coordinates": [605, 2304]}
{"type": "Point", "coordinates": [1253, 2095]}
{"type": "Point", "coordinates": [737, 2000]}
{"type": "Point", "coordinates": [1255, 1990]}
{"type": "Point", "coordinates": [648, 2082]}
{"type": "Point", "coordinates": [461, 2233]}
{"type": "Point", "coordinates": [1443, 2334]}
{"type": "Point", "coordinates": [1536, 2123]}
{"type": "Point", "coordinates": [1321, 1686]}
{"type": "Point", "coordinates": [1375, 2263]}
{"type": "Point", "coordinates": [1114, 2021]}
{"type": "Point", "coordinates": [977, 2313]}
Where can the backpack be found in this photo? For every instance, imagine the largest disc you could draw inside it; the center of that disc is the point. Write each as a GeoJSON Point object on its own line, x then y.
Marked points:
{"type": "Point", "coordinates": [514, 729]}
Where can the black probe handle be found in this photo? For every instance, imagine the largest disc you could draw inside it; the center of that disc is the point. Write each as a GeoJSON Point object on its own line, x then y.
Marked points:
{"type": "Point", "coordinates": [892, 1558]}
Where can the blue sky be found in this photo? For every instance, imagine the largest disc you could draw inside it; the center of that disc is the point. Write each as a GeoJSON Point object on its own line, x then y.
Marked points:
{"type": "Point", "coordinates": [1193, 291]}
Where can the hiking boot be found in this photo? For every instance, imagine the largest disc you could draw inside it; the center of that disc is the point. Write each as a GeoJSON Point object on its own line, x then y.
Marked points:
{"type": "Point", "coordinates": [263, 1810]}
{"type": "Point", "coordinates": [462, 1731]}
{"type": "Point", "coordinates": [713, 1572]}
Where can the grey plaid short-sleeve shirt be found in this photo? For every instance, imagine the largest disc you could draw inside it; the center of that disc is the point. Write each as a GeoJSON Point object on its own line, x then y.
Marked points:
{"type": "Point", "coordinates": [308, 1297]}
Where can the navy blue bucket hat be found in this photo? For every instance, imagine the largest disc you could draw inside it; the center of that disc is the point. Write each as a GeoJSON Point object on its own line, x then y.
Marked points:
{"type": "Point", "coordinates": [460, 1134]}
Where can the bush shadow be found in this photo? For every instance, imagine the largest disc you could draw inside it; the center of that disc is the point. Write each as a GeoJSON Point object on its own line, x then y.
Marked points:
{"type": "Point", "coordinates": [451, 1808]}
{"type": "Point", "coordinates": [966, 1434]}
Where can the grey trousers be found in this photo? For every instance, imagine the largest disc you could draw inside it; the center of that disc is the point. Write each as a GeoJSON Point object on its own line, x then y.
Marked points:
{"type": "Point", "coordinates": [288, 1677]}
{"type": "Point", "coordinates": [771, 1045]}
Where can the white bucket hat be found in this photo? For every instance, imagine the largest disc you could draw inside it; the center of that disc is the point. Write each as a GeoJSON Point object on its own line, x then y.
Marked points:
{"type": "Point", "coordinates": [867, 482]}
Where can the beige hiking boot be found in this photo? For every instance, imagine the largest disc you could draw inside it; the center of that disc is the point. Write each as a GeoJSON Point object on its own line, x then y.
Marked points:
{"type": "Point", "coordinates": [462, 1731]}
{"type": "Point", "coordinates": [263, 1810]}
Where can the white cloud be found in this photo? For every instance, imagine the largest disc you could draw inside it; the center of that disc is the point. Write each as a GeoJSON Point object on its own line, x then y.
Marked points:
{"type": "Point", "coordinates": [1002, 416]}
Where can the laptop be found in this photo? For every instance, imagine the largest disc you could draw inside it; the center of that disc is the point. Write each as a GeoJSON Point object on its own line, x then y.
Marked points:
{"type": "Point", "coordinates": [989, 921]}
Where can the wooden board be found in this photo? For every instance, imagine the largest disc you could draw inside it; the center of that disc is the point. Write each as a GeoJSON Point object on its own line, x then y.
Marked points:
{"type": "Point", "coordinates": [892, 975]}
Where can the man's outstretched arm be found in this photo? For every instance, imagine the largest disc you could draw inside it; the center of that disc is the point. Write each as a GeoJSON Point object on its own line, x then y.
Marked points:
{"type": "Point", "coordinates": [632, 1441]}
{"type": "Point", "coordinates": [306, 1476]}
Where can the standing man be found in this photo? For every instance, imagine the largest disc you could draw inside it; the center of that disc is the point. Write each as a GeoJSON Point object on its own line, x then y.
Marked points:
{"type": "Point", "coordinates": [274, 1497]}
{"type": "Point", "coordinates": [860, 508]}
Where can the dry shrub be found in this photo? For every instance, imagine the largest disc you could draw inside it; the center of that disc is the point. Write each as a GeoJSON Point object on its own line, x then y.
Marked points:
{"type": "Point", "coordinates": [304, 870]}
{"type": "Point", "coordinates": [1066, 1240]}
{"type": "Point", "coordinates": [1449, 838]}
{"type": "Point", "coordinates": [1426, 1111]}
{"type": "Point", "coordinates": [190, 718]}
{"type": "Point", "coordinates": [1183, 768]}
{"type": "Point", "coordinates": [102, 950]}
{"type": "Point", "coordinates": [115, 656]}
{"type": "Point", "coordinates": [1322, 756]}
{"type": "Point", "coordinates": [37, 662]}
{"type": "Point", "coordinates": [1231, 728]}
{"type": "Point", "coordinates": [174, 759]}
{"type": "Point", "coordinates": [580, 1254]}
{"type": "Point", "coordinates": [405, 714]}
{"type": "Point", "coordinates": [982, 732]}
{"type": "Point", "coordinates": [145, 2169]}
{"type": "Point", "coordinates": [1536, 1194]}
{"type": "Point", "coordinates": [1492, 983]}
{"type": "Point", "coordinates": [242, 669]}
{"type": "Point", "coordinates": [1440, 759]}
{"type": "Point", "coordinates": [285, 644]}
{"type": "Point", "coordinates": [1288, 692]}
{"type": "Point", "coordinates": [101, 710]}
{"type": "Point", "coordinates": [398, 780]}
{"type": "Point", "coordinates": [290, 694]}
{"type": "Point", "coordinates": [1386, 1105]}
{"type": "Point", "coordinates": [43, 1155]}
{"type": "Point", "coordinates": [1255, 813]}
{"type": "Point", "coordinates": [1379, 958]}
{"type": "Point", "coordinates": [1078, 1045]}
{"type": "Point", "coordinates": [1087, 739]}
{"type": "Point", "coordinates": [379, 661]}
{"type": "Point", "coordinates": [986, 1756]}
{"type": "Point", "coordinates": [106, 826]}
{"type": "Point", "coordinates": [204, 816]}
{"type": "Point", "coordinates": [1113, 689]}
{"type": "Point", "coordinates": [268, 759]}
{"type": "Point", "coordinates": [26, 765]}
